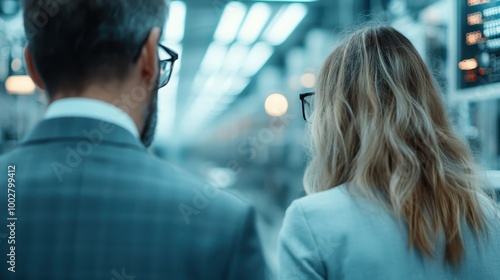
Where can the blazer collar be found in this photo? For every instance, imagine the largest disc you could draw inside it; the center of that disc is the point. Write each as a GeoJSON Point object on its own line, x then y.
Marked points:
{"type": "Point", "coordinates": [82, 129]}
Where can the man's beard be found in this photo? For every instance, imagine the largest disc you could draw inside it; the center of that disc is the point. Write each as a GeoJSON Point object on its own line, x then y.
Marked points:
{"type": "Point", "coordinates": [149, 128]}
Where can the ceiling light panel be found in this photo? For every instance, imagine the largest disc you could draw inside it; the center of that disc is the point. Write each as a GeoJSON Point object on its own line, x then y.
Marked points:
{"type": "Point", "coordinates": [257, 17]}
{"type": "Point", "coordinates": [284, 23]}
{"type": "Point", "coordinates": [235, 57]}
{"type": "Point", "coordinates": [176, 21]}
{"type": "Point", "coordinates": [258, 56]}
{"type": "Point", "coordinates": [230, 22]}
{"type": "Point", "coordinates": [214, 57]}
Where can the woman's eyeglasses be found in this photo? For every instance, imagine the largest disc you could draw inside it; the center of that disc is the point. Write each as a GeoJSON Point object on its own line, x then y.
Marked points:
{"type": "Point", "coordinates": [307, 100]}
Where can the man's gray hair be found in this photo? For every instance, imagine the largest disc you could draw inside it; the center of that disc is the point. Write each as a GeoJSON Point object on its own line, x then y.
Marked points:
{"type": "Point", "coordinates": [74, 42]}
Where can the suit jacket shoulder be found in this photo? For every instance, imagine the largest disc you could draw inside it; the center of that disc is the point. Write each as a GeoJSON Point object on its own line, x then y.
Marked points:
{"type": "Point", "coordinates": [96, 202]}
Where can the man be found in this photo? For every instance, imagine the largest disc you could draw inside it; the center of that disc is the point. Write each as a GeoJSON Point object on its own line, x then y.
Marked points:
{"type": "Point", "coordinates": [85, 199]}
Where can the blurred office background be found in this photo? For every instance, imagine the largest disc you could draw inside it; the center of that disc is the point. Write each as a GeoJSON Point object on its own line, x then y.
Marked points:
{"type": "Point", "coordinates": [231, 113]}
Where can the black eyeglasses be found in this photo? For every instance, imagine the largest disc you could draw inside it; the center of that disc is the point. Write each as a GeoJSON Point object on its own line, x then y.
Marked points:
{"type": "Point", "coordinates": [307, 104]}
{"type": "Point", "coordinates": [167, 59]}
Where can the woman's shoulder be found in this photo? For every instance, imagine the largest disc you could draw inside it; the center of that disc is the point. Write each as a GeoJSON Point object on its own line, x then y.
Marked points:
{"type": "Point", "coordinates": [335, 199]}
{"type": "Point", "coordinates": [336, 206]}
{"type": "Point", "coordinates": [338, 219]}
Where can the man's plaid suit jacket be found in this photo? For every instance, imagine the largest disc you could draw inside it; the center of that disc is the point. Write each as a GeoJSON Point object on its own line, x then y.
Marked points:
{"type": "Point", "coordinates": [91, 203]}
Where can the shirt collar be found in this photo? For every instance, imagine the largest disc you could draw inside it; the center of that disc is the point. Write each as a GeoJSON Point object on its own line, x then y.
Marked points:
{"type": "Point", "coordinates": [91, 108]}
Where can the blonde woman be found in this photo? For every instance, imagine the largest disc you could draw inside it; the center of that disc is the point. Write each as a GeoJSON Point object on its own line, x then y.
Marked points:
{"type": "Point", "coordinates": [393, 191]}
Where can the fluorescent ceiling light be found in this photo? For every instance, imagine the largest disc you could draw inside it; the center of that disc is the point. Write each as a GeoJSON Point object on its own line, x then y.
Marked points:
{"type": "Point", "coordinates": [254, 23]}
{"type": "Point", "coordinates": [296, 1]}
{"type": "Point", "coordinates": [199, 107]}
{"type": "Point", "coordinates": [226, 100]}
{"type": "Point", "coordinates": [214, 58]}
{"type": "Point", "coordinates": [223, 106]}
{"type": "Point", "coordinates": [235, 57]}
{"type": "Point", "coordinates": [174, 32]}
{"type": "Point", "coordinates": [214, 84]}
{"type": "Point", "coordinates": [258, 56]}
{"type": "Point", "coordinates": [198, 111]}
{"type": "Point", "coordinates": [230, 22]}
{"type": "Point", "coordinates": [213, 102]}
{"type": "Point", "coordinates": [287, 19]}
{"type": "Point", "coordinates": [228, 86]}
{"type": "Point", "coordinates": [238, 86]}
{"type": "Point", "coordinates": [218, 110]}
{"type": "Point", "coordinates": [227, 83]}
{"type": "Point", "coordinates": [198, 82]}
{"type": "Point", "coordinates": [213, 96]}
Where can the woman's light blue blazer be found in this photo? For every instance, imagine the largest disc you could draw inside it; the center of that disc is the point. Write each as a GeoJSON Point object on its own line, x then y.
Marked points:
{"type": "Point", "coordinates": [335, 235]}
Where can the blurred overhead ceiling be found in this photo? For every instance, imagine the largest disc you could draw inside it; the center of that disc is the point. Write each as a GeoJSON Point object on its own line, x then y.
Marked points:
{"type": "Point", "coordinates": [222, 45]}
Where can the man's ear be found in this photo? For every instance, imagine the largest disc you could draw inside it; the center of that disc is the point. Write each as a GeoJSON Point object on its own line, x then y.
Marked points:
{"type": "Point", "coordinates": [30, 66]}
{"type": "Point", "coordinates": [149, 58]}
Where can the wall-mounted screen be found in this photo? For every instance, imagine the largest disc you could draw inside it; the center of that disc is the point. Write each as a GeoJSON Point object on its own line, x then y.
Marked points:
{"type": "Point", "coordinates": [478, 43]}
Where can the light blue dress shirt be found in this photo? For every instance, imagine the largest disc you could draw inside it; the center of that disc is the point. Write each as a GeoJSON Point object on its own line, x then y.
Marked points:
{"type": "Point", "coordinates": [91, 108]}
{"type": "Point", "coordinates": [335, 235]}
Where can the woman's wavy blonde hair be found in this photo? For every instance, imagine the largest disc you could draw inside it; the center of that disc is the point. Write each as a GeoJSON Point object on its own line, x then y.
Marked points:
{"type": "Point", "coordinates": [379, 126]}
